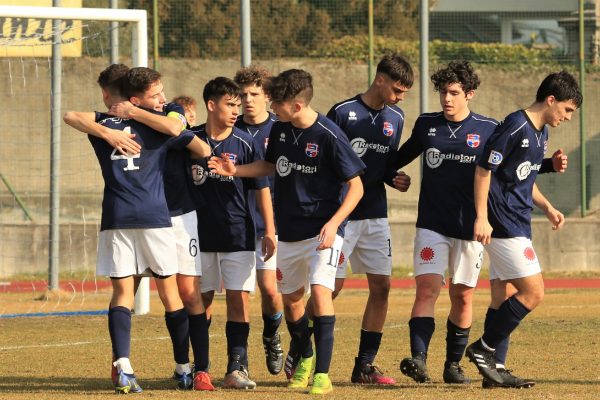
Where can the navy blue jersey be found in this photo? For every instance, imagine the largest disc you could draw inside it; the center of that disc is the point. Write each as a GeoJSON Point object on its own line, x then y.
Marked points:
{"type": "Point", "coordinates": [177, 185]}
{"type": "Point", "coordinates": [225, 222]}
{"type": "Point", "coordinates": [514, 154]}
{"type": "Point", "coordinates": [451, 151]}
{"type": "Point", "coordinates": [134, 195]}
{"type": "Point", "coordinates": [374, 136]}
{"type": "Point", "coordinates": [312, 166]}
{"type": "Point", "coordinates": [260, 133]}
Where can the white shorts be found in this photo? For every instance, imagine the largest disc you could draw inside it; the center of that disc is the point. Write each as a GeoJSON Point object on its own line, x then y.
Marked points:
{"type": "Point", "coordinates": [512, 258]}
{"type": "Point", "coordinates": [299, 264]}
{"type": "Point", "coordinates": [186, 240]}
{"type": "Point", "coordinates": [125, 252]}
{"type": "Point", "coordinates": [435, 253]}
{"type": "Point", "coordinates": [237, 271]}
{"type": "Point", "coordinates": [368, 246]}
{"type": "Point", "coordinates": [271, 263]}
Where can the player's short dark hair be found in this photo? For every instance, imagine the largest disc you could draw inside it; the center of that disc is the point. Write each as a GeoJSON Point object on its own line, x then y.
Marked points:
{"type": "Point", "coordinates": [184, 101]}
{"type": "Point", "coordinates": [252, 74]}
{"type": "Point", "coordinates": [397, 68]}
{"type": "Point", "coordinates": [290, 84]}
{"type": "Point", "coordinates": [138, 80]}
{"type": "Point", "coordinates": [111, 78]}
{"type": "Point", "coordinates": [460, 72]}
{"type": "Point", "coordinates": [219, 87]}
{"type": "Point", "coordinates": [562, 85]}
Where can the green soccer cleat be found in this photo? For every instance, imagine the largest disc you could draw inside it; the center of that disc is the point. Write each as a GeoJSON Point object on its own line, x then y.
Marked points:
{"type": "Point", "coordinates": [321, 384]}
{"type": "Point", "coordinates": [302, 374]}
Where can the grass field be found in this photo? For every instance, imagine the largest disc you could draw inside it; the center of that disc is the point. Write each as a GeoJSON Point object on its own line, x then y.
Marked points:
{"type": "Point", "coordinates": [69, 357]}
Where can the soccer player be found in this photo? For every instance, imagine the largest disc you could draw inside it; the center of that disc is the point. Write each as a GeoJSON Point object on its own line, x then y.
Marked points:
{"type": "Point", "coordinates": [136, 233]}
{"type": "Point", "coordinates": [505, 192]}
{"type": "Point", "coordinates": [373, 124]}
{"type": "Point", "coordinates": [257, 121]}
{"type": "Point", "coordinates": [189, 107]}
{"type": "Point", "coordinates": [451, 142]}
{"type": "Point", "coordinates": [145, 94]}
{"type": "Point", "coordinates": [227, 238]}
{"type": "Point", "coordinates": [314, 164]}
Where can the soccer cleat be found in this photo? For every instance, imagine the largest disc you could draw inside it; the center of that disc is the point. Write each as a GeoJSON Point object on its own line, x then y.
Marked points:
{"type": "Point", "coordinates": [416, 368]}
{"type": "Point", "coordinates": [184, 381]}
{"type": "Point", "coordinates": [302, 373]}
{"type": "Point", "coordinates": [453, 373]}
{"type": "Point", "coordinates": [321, 384]}
{"type": "Point", "coordinates": [202, 381]}
{"type": "Point", "coordinates": [370, 374]}
{"type": "Point", "coordinates": [508, 381]}
{"type": "Point", "coordinates": [484, 361]}
{"type": "Point", "coordinates": [238, 379]}
{"type": "Point", "coordinates": [291, 362]}
{"type": "Point", "coordinates": [273, 354]}
{"type": "Point", "coordinates": [126, 383]}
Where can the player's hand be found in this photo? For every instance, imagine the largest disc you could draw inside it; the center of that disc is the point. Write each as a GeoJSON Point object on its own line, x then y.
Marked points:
{"type": "Point", "coordinates": [269, 246]}
{"type": "Point", "coordinates": [401, 181]}
{"type": "Point", "coordinates": [122, 141]}
{"type": "Point", "coordinates": [327, 235]}
{"type": "Point", "coordinates": [122, 109]}
{"type": "Point", "coordinates": [222, 165]}
{"type": "Point", "coordinates": [556, 218]}
{"type": "Point", "coordinates": [559, 161]}
{"type": "Point", "coordinates": [482, 231]}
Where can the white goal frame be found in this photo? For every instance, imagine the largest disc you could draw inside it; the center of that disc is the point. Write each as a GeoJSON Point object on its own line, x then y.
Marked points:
{"type": "Point", "coordinates": [139, 49]}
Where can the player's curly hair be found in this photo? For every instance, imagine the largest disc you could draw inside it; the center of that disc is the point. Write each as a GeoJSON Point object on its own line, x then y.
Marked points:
{"type": "Point", "coordinates": [184, 101]}
{"type": "Point", "coordinates": [290, 84]}
{"type": "Point", "coordinates": [138, 80]}
{"type": "Point", "coordinates": [252, 74]}
{"type": "Point", "coordinates": [397, 68]}
{"type": "Point", "coordinates": [111, 78]}
{"type": "Point", "coordinates": [562, 85]}
{"type": "Point", "coordinates": [219, 87]}
{"type": "Point", "coordinates": [456, 72]}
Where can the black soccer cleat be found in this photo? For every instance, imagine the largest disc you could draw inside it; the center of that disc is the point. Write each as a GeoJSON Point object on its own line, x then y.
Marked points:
{"type": "Point", "coordinates": [416, 368]}
{"type": "Point", "coordinates": [273, 354]}
{"type": "Point", "coordinates": [484, 361]}
{"type": "Point", "coordinates": [509, 381]}
{"type": "Point", "coordinates": [453, 373]}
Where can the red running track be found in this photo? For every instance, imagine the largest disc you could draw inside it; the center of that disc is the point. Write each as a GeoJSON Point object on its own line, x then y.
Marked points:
{"type": "Point", "coordinates": [90, 286]}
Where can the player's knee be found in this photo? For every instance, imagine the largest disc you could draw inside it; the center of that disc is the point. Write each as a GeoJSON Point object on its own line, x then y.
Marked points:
{"type": "Point", "coordinates": [427, 294]}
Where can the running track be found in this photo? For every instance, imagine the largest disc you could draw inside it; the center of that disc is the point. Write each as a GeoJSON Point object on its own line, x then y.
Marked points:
{"type": "Point", "coordinates": [90, 286]}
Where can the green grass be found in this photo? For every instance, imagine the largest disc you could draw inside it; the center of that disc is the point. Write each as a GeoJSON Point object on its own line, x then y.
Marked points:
{"type": "Point", "coordinates": [69, 357]}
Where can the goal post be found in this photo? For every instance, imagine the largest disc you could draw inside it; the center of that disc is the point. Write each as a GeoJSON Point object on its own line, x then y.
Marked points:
{"type": "Point", "coordinates": [139, 56]}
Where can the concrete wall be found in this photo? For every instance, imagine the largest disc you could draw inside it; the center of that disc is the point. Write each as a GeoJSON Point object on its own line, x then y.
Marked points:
{"type": "Point", "coordinates": [24, 247]}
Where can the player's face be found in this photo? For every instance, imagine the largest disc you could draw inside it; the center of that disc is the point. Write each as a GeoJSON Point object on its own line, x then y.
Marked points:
{"type": "Point", "coordinates": [190, 115]}
{"type": "Point", "coordinates": [455, 102]}
{"type": "Point", "coordinates": [226, 110]}
{"type": "Point", "coordinates": [153, 98]}
{"type": "Point", "coordinates": [254, 100]}
{"type": "Point", "coordinates": [391, 91]}
{"type": "Point", "coordinates": [558, 111]}
{"type": "Point", "coordinates": [283, 110]}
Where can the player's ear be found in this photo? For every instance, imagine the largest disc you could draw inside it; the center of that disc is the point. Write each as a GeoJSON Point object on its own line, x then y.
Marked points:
{"type": "Point", "coordinates": [550, 100]}
{"type": "Point", "coordinates": [210, 105]}
{"type": "Point", "coordinates": [470, 94]}
{"type": "Point", "coordinates": [135, 101]}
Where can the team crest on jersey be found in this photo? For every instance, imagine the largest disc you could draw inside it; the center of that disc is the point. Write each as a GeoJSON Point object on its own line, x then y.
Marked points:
{"type": "Point", "coordinates": [232, 157]}
{"type": "Point", "coordinates": [352, 116]}
{"type": "Point", "coordinates": [525, 143]}
{"type": "Point", "coordinates": [431, 132]}
{"type": "Point", "coordinates": [388, 129]}
{"type": "Point", "coordinates": [312, 149]}
{"type": "Point", "coordinates": [495, 158]}
{"type": "Point", "coordinates": [473, 140]}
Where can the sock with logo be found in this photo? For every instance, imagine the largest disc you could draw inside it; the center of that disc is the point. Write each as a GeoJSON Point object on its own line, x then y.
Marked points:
{"type": "Point", "coordinates": [456, 341]}
{"type": "Point", "coordinates": [237, 344]}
